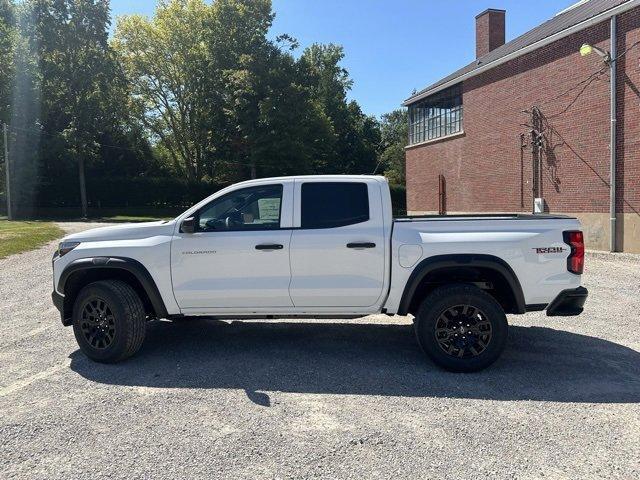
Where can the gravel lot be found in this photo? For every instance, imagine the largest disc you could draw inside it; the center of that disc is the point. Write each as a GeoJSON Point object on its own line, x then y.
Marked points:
{"type": "Point", "coordinates": [326, 399]}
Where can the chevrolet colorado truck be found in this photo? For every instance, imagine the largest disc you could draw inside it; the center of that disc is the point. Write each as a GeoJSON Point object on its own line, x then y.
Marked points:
{"type": "Point", "coordinates": [320, 246]}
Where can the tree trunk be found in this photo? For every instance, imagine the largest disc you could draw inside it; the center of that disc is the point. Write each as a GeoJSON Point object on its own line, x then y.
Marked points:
{"type": "Point", "coordinates": [83, 187]}
{"type": "Point", "coordinates": [254, 173]}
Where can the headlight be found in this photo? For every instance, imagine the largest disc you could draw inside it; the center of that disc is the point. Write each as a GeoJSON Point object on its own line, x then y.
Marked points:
{"type": "Point", "coordinates": [66, 247]}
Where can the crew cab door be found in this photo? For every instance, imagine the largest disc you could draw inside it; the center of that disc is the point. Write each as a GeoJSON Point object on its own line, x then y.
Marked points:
{"type": "Point", "coordinates": [238, 255]}
{"type": "Point", "coordinates": [337, 245]}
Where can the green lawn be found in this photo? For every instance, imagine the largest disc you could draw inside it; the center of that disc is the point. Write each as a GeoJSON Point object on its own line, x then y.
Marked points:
{"type": "Point", "coordinates": [16, 237]}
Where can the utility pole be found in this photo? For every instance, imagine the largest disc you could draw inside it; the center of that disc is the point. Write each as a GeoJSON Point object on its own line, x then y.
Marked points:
{"type": "Point", "coordinates": [7, 170]}
{"type": "Point", "coordinates": [83, 187]}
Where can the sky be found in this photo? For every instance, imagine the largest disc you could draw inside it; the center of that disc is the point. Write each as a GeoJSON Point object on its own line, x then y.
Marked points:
{"type": "Point", "coordinates": [391, 46]}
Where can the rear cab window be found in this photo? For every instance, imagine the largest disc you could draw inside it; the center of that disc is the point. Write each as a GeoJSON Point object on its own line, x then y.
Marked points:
{"type": "Point", "coordinates": [333, 204]}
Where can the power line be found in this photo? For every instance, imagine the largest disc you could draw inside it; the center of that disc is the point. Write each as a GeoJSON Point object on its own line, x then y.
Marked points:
{"type": "Point", "coordinates": [585, 83]}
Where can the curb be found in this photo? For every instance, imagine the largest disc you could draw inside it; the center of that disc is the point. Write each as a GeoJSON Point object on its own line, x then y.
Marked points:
{"type": "Point", "coordinates": [633, 258]}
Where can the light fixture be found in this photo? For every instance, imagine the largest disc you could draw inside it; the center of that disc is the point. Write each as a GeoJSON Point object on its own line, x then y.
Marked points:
{"type": "Point", "coordinates": [587, 49]}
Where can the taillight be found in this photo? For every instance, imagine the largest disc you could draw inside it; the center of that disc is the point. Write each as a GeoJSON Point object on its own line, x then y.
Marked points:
{"type": "Point", "coordinates": [575, 261]}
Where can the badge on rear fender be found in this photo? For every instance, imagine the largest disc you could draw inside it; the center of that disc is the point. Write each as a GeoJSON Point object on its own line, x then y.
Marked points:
{"type": "Point", "coordinates": [541, 250]}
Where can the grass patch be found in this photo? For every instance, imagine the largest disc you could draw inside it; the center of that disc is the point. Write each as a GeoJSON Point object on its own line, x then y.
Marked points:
{"type": "Point", "coordinates": [17, 237]}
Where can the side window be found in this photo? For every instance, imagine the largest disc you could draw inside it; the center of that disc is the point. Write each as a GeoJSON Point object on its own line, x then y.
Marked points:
{"type": "Point", "coordinates": [334, 204]}
{"type": "Point", "coordinates": [253, 208]}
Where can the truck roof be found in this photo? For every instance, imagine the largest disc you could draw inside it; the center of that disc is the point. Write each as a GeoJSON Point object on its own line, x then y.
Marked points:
{"type": "Point", "coordinates": [314, 177]}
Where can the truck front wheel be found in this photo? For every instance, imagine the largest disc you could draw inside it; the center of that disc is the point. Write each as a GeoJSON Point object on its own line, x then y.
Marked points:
{"type": "Point", "coordinates": [461, 328]}
{"type": "Point", "coordinates": [109, 321]}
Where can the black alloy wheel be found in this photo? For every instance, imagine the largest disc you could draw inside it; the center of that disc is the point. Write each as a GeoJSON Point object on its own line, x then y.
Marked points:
{"type": "Point", "coordinates": [98, 323]}
{"type": "Point", "coordinates": [461, 327]}
{"type": "Point", "coordinates": [463, 331]}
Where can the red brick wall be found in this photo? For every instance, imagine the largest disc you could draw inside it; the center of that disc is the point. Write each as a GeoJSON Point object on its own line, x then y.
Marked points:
{"type": "Point", "coordinates": [486, 170]}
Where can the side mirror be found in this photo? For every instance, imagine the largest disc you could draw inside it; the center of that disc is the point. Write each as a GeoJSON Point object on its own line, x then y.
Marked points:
{"type": "Point", "coordinates": [188, 225]}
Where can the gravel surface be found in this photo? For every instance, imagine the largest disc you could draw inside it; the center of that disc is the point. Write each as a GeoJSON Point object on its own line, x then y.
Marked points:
{"type": "Point", "coordinates": [319, 399]}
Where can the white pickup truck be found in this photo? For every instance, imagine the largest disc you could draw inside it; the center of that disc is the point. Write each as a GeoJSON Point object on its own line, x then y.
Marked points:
{"type": "Point", "coordinates": [320, 246]}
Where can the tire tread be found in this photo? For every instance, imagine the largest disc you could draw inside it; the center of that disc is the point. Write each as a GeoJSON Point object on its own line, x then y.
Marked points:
{"type": "Point", "coordinates": [134, 319]}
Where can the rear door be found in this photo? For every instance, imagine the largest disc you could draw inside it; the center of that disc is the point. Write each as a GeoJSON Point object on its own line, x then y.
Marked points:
{"type": "Point", "coordinates": [337, 245]}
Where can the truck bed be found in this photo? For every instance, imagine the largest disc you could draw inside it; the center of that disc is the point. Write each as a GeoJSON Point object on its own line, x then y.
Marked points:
{"type": "Point", "coordinates": [484, 216]}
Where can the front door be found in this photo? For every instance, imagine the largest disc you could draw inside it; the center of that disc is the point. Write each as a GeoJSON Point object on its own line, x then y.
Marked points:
{"type": "Point", "coordinates": [238, 256]}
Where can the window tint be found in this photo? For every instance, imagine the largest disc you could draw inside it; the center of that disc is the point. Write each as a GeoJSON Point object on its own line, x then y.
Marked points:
{"type": "Point", "coordinates": [253, 208]}
{"type": "Point", "coordinates": [334, 204]}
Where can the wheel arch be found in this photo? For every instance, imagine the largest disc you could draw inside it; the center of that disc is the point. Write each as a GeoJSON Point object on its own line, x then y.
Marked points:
{"type": "Point", "coordinates": [83, 271]}
{"type": "Point", "coordinates": [464, 268]}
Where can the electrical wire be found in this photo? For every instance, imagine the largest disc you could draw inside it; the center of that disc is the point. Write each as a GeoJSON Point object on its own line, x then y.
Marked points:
{"type": "Point", "coordinates": [584, 83]}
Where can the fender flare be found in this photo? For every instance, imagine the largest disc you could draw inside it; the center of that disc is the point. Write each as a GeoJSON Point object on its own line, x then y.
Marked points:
{"type": "Point", "coordinates": [428, 265]}
{"type": "Point", "coordinates": [136, 268]}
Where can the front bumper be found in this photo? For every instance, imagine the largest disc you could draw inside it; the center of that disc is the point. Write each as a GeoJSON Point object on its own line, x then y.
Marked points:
{"type": "Point", "coordinates": [58, 302]}
{"type": "Point", "coordinates": [568, 302]}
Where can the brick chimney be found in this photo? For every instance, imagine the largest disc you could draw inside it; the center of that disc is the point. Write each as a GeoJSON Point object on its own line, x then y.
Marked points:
{"type": "Point", "coordinates": [489, 31]}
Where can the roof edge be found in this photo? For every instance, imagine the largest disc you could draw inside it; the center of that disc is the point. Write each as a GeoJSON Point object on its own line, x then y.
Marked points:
{"type": "Point", "coordinates": [524, 50]}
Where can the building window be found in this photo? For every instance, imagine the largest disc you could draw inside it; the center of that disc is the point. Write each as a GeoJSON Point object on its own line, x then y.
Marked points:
{"type": "Point", "coordinates": [436, 116]}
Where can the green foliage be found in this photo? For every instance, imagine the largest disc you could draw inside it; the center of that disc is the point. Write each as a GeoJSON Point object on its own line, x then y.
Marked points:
{"type": "Point", "coordinates": [7, 43]}
{"type": "Point", "coordinates": [166, 63]}
{"type": "Point", "coordinates": [198, 93]}
{"type": "Point", "coordinates": [394, 131]}
{"type": "Point", "coordinates": [352, 145]}
{"type": "Point", "coordinates": [121, 192]}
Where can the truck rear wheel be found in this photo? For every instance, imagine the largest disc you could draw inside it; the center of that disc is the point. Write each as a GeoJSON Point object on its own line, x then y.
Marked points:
{"type": "Point", "coordinates": [461, 328]}
{"type": "Point", "coordinates": [109, 321]}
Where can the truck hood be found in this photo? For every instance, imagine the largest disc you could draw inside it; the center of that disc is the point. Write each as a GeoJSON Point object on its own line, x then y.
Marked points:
{"type": "Point", "coordinates": [127, 231]}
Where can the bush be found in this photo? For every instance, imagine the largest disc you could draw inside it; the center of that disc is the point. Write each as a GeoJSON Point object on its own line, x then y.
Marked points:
{"type": "Point", "coordinates": [398, 199]}
{"type": "Point", "coordinates": [61, 196]}
{"type": "Point", "coordinates": [125, 192]}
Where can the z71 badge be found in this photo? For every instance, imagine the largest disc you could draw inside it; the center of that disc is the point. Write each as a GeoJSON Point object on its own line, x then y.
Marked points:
{"type": "Point", "coordinates": [541, 250]}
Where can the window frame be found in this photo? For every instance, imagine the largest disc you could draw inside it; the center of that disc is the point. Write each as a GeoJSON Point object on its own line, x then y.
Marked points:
{"type": "Point", "coordinates": [437, 116]}
{"type": "Point", "coordinates": [337, 225]}
{"type": "Point", "coordinates": [258, 228]}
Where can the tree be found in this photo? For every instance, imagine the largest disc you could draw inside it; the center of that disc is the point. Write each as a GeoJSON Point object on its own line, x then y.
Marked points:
{"type": "Point", "coordinates": [216, 94]}
{"type": "Point", "coordinates": [77, 75]}
{"type": "Point", "coordinates": [394, 132]}
{"type": "Point", "coordinates": [167, 65]}
{"type": "Point", "coordinates": [7, 42]}
{"type": "Point", "coordinates": [355, 135]}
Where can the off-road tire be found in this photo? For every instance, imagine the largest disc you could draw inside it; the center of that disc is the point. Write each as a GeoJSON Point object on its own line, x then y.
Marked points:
{"type": "Point", "coordinates": [125, 323]}
{"type": "Point", "coordinates": [447, 303]}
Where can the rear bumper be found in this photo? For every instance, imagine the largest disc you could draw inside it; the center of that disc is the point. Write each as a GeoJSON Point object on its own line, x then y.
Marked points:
{"type": "Point", "coordinates": [568, 302]}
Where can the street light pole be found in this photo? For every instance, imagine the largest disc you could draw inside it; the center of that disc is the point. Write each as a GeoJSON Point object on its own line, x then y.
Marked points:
{"type": "Point", "coordinates": [7, 170]}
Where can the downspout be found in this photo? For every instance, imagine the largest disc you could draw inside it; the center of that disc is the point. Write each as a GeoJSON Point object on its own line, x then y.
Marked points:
{"type": "Point", "coordinates": [612, 172]}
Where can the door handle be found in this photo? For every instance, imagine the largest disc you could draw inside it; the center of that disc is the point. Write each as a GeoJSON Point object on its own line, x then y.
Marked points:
{"type": "Point", "coordinates": [269, 246]}
{"type": "Point", "coordinates": [361, 245]}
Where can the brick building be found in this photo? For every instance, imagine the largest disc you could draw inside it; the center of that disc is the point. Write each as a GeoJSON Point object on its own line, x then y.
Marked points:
{"type": "Point", "coordinates": [531, 119]}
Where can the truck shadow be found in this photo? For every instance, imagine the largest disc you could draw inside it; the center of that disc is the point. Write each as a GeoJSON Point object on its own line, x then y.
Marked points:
{"type": "Point", "coordinates": [368, 359]}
